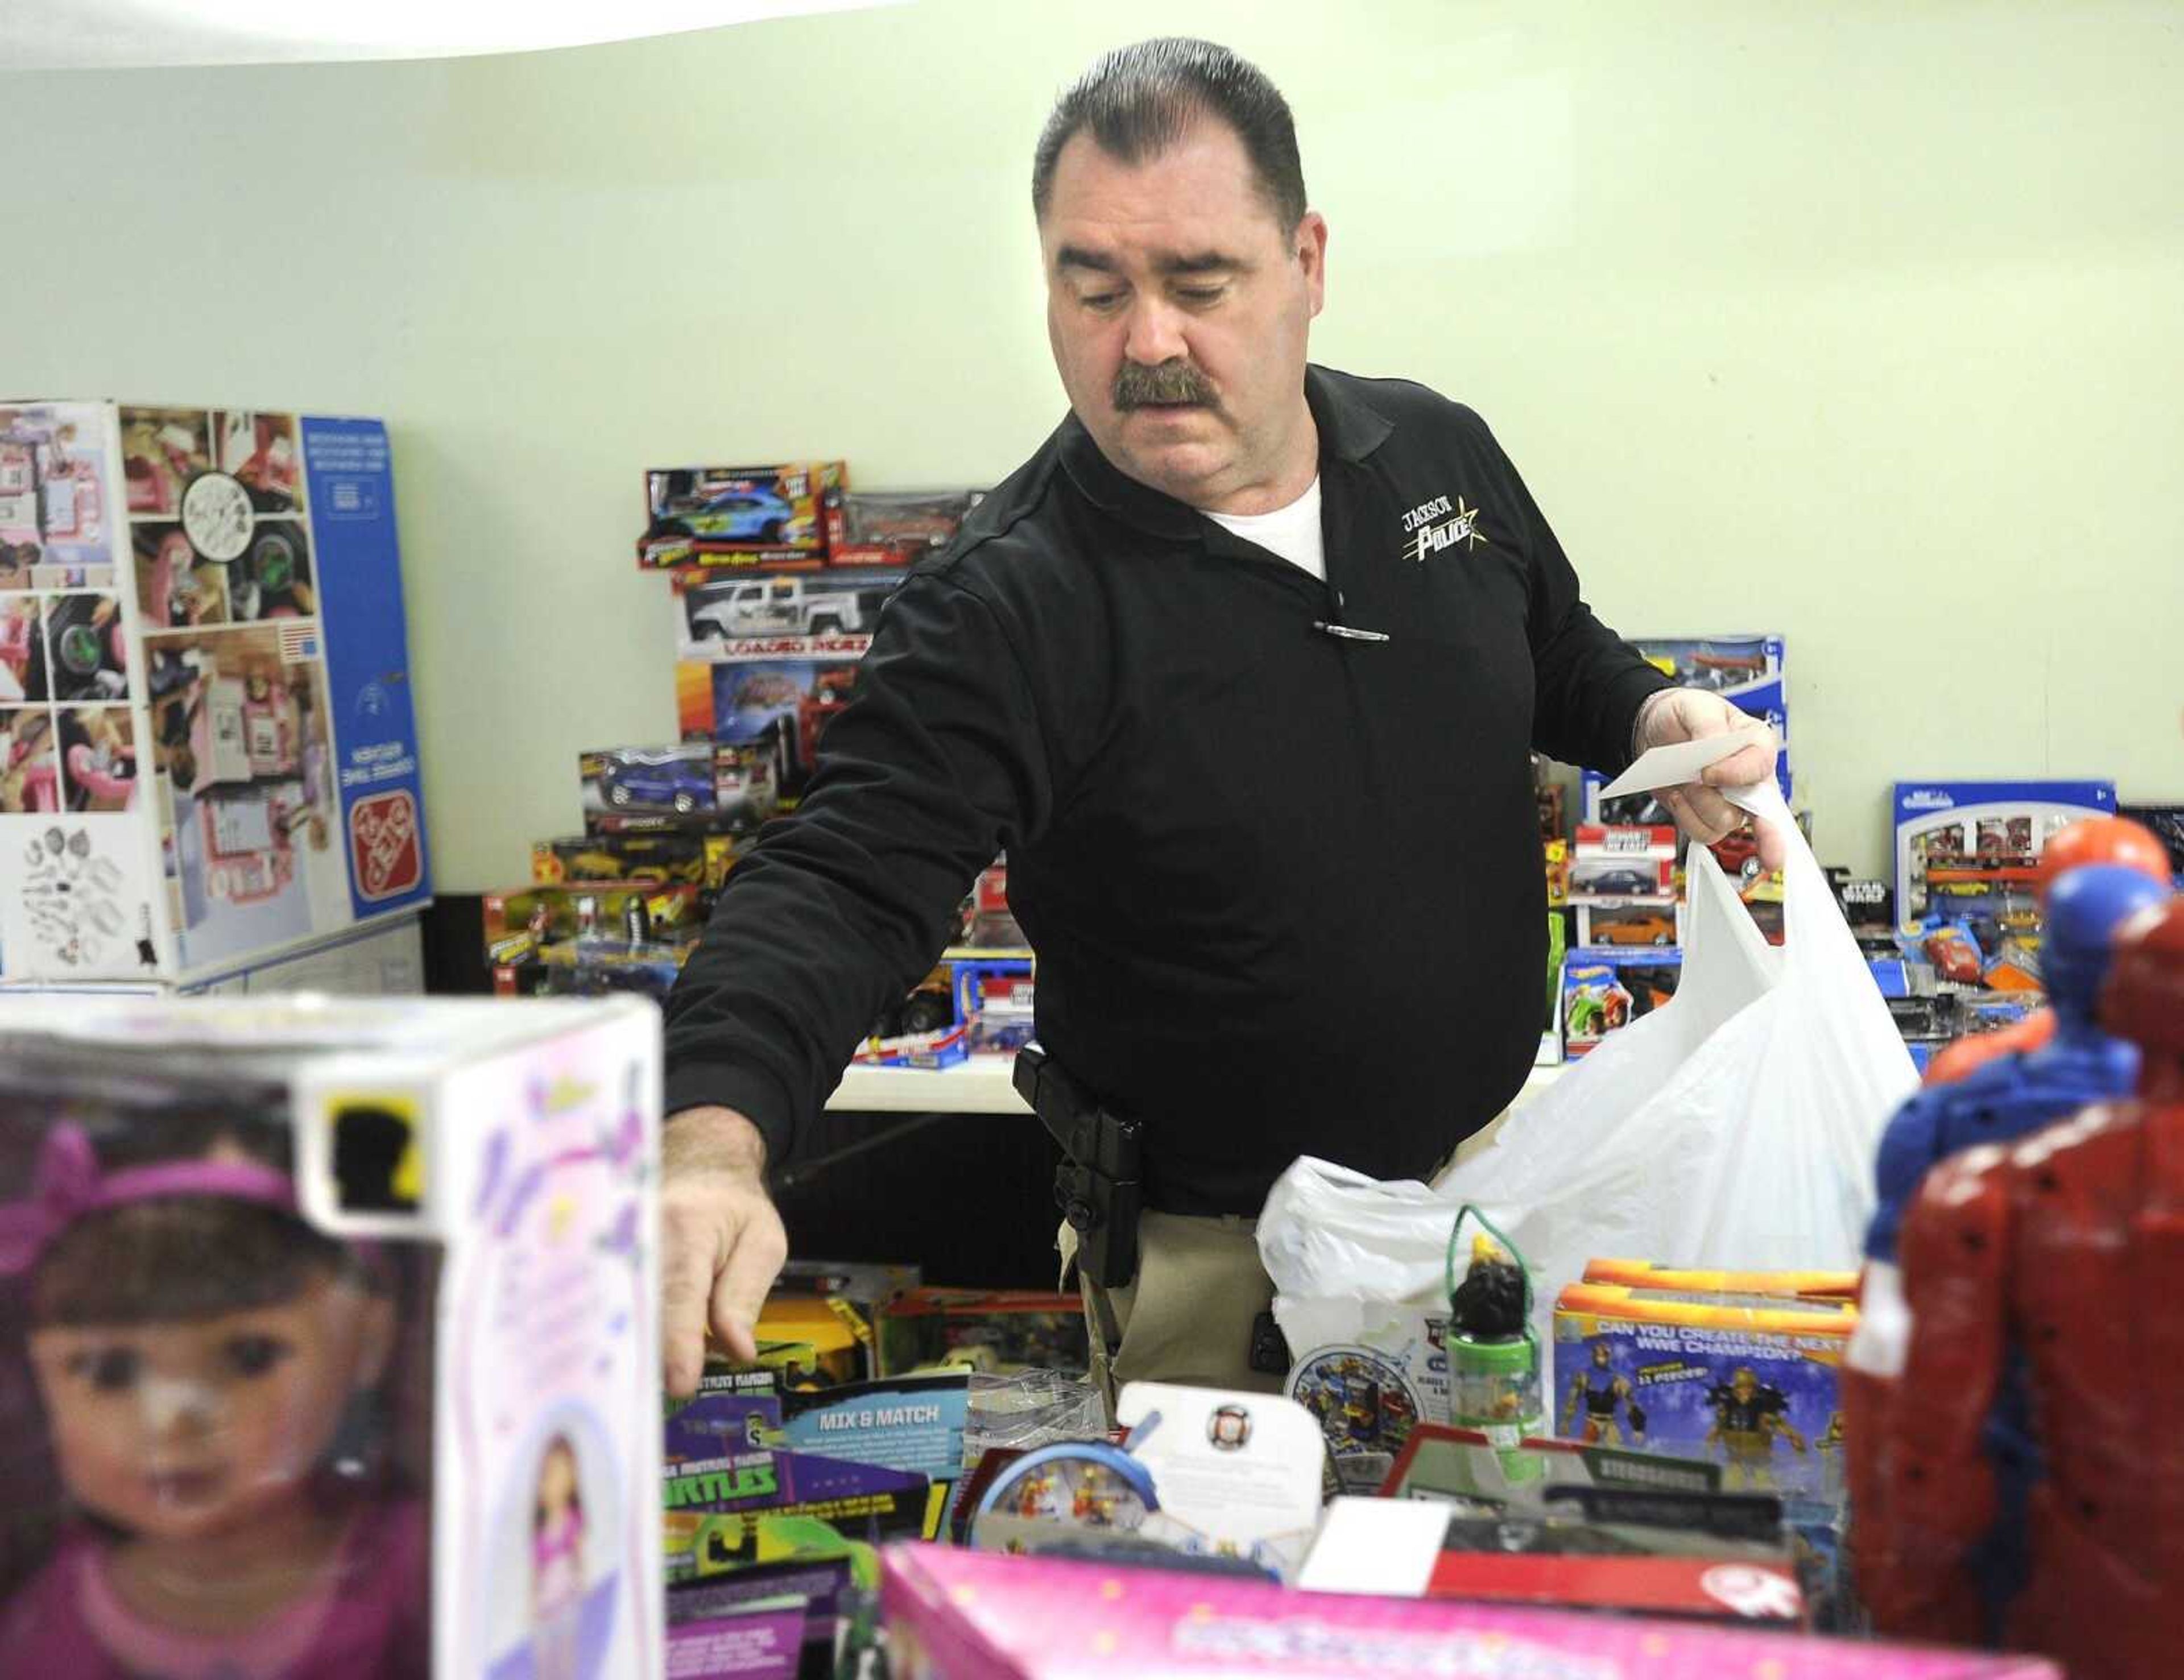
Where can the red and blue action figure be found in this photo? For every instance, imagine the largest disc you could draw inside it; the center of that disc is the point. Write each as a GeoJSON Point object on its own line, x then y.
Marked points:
{"type": "Point", "coordinates": [2017, 1485]}
{"type": "Point", "coordinates": [2095, 840]}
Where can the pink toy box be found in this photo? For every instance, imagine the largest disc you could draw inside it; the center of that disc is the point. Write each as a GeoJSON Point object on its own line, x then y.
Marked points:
{"type": "Point", "coordinates": [974, 1616]}
{"type": "Point", "coordinates": [328, 1343]}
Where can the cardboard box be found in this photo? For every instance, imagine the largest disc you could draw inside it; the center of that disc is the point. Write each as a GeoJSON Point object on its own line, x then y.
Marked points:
{"type": "Point", "coordinates": [772, 693]}
{"type": "Point", "coordinates": [771, 516]}
{"type": "Point", "coordinates": [1752, 1387]}
{"type": "Point", "coordinates": [671, 855]}
{"type": "Point", "coordinates": [1014, 1328]}
{"type": "Point", "coordinates": [978, 1616]}
{"type": "Point", "coordinates": [1645, 923]}
{"type": "Point", "coordinates": [893, 527]}
{"type": "Point", "coordinates": [1605, 988]}
{"type": "Point", "coordinates": [208, 756]}
{"type": "Point", "coordinates": [710, 786]}
{"type": "Point", "coordinates": [1612, 862]}
{"type": "Point", "coordinates": [439, 1217]}
{"type": "Point", "coordinates": [1961, 847]}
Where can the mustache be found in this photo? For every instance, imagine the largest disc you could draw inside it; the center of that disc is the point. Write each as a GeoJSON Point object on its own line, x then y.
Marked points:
{"type": "Point", "coordinates": [1174, 380]}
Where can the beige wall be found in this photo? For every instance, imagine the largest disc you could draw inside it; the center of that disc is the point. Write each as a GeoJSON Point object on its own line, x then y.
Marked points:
{"type": "Point", "coordinates": [1863, 322]}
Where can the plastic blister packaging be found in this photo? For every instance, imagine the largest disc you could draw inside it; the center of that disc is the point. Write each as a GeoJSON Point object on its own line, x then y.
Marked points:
{"type": "Point", "coordinates": [1029, 1409]}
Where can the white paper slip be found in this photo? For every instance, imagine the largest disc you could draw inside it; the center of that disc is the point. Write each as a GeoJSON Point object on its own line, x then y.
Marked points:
{"type": "Point", "coordinates": [1681, 761]}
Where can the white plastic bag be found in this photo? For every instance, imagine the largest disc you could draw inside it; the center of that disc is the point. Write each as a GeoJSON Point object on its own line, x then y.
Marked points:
{"type": "Point", "coordinates": [1734, 1127]}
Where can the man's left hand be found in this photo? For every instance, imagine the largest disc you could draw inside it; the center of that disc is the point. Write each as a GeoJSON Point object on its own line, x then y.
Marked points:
{"type": "Point", "coordinates": [1694, 715]}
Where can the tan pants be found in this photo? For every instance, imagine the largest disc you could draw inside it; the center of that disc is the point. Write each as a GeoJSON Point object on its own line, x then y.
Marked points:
{"type": "Point", "coordinates": [1188, 1315]}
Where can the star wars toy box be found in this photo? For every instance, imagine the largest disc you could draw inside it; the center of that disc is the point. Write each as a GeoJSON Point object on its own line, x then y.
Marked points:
{"type": "Point", "coordinates": [958, 1615]}
{"type": "Point", "coordinates": [1605, 988]}
{"type": "Point", "coordinates": [753, 518]}
{"type": "Point", "coordinates": [340, 1318]}
{"type": "Point", "coordinates": [1747, 1382]}
{"type": "Point", "coordinates": [208, 755]}
{"type": "Point", "coordinates": [1974, 846]}
{"type": "Point", "coordinates": [710, 786]}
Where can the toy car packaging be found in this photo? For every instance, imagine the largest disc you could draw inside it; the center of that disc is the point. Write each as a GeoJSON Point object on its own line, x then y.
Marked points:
{"type": "Point", "coordinates": [519, 920]}
{"type": "Point", "coordinates": [1751, 1388]}
{"type": "Point", "coordinates": [984, 923]}
{"type": "Point", "coordinates": [724, 614]}
{"type": "Point", "coordinates": [957, 1615]}
{"type": "Point", "coordinates": [771, 693]}
{"type": "Point", "coordinates": [340, 1316]}
{"type": "Point", "coordinates": [752, 518]}
{"type": "Point", "coordinates": [718, 786]}
{"type": "Point", "coordinates": [208, 747]}
{"type": "Point", "coordinates": [1606, 988]}
{"type": "Point", "coordinates": [994, 1002]}
{"type": "Point", "coordinates": [893, 527]}
{"type": "Point", "coordinates": [1967, 847]}
{"type": "Point", "coordinates": [1616, 863]}
{"type": "Point", "coordinates": [670, 855]}
{"type": "Point", "coordinates": [1625, 922]}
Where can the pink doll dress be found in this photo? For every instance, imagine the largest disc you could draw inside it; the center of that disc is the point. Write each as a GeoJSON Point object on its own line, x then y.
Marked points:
{"type": "Point", "coordinates": [363, 1621]}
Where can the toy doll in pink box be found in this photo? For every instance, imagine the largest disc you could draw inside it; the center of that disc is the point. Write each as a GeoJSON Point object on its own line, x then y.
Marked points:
{"type": "Point", "coordinates": [207, 1371]}
{"type": "Point", "coordinates": [557, 1563]}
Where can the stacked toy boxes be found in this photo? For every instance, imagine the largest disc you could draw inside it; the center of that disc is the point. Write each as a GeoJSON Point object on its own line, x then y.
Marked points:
{"type": "Point", "coordinates": [341, 1319]}
{"type": "Point", "coordinates": [779, 573]}
{"type": "Point", "coordinates": [1624, 861]}
{"type": "Point", "coordinates": [208, 755]}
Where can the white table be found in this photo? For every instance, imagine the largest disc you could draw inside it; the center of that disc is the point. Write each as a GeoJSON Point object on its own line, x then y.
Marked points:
{"type": "Point", "coordinates": [982, 1085]}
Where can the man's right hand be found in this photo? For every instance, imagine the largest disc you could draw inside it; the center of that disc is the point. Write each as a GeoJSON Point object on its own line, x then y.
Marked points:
{"type": "Point", "coordinates": [722, 1242]}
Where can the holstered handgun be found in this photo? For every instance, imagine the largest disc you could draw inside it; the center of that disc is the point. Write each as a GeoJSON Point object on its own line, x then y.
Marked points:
{"type": "Point", "coordinates": [1098, 1186]}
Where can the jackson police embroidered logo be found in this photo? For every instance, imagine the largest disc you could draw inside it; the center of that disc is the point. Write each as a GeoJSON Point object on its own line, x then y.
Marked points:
{"type": "Point", "coordinates": [1434, 526]}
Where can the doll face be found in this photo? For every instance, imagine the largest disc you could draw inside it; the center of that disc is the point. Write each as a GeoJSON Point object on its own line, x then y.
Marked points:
{"type": "Point", "coordinates": [195, 1428]}
{"type": "Point", "coordinates": [557, 1482]}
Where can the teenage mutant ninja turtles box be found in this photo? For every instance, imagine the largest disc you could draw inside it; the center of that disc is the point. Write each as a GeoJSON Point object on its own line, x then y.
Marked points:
{"type": "Point", "coordinates": [1748, 1382]}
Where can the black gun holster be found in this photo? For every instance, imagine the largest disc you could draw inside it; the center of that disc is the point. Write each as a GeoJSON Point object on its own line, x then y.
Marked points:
{"type": "Point", "coordinates": [1099, 1186]}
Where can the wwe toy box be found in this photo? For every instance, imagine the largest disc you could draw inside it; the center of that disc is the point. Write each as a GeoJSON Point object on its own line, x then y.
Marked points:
{"type": "Point", "coordinates": [330, 1346]}
{"type": "Point", "coordinates": [956, 1615]}
{"type": "Point", "coordinates": [1746, 1382]}
{"type": "Point", "coordinates": [208, 755]}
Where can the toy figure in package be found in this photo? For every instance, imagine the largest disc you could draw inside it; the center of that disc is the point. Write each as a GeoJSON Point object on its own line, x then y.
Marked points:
{"type": "Point", "coordinates": [208, 1372]}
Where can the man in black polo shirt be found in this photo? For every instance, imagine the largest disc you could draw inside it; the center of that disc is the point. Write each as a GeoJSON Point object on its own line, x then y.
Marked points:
{"type": "Point", "coordinates": [1243, 668]}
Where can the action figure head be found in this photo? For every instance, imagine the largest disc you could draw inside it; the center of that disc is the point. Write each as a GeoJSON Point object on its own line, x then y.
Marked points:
{"type": "Point", "coordinates": [1599, 1355]}
{"type": "Point", "coordinates": [2144, 999]}
{"type": "Point", "coordinates": [2102, 840]}
{"type": "Point", "coordinates": [2086, 906]}
{"type": "Point", "coordinates": [1745, 1383]}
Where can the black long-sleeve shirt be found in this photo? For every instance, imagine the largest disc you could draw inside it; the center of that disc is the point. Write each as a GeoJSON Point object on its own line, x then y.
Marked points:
{"type": "Point", "coordinates": [1285, 885]}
